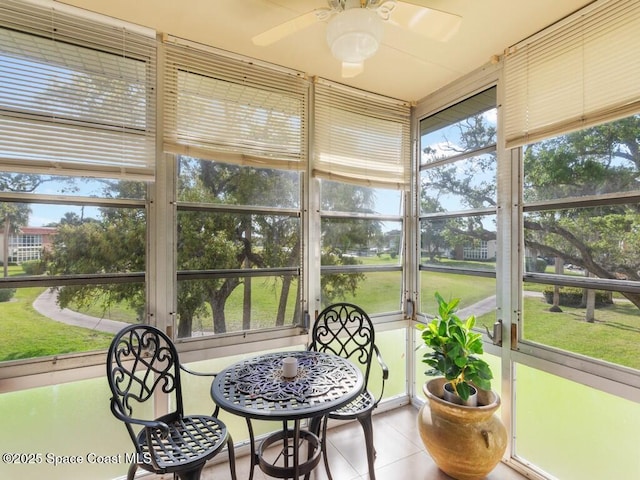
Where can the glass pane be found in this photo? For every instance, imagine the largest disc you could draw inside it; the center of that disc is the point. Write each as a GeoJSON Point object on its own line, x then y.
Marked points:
{"type": "Point", "coordinates": [463, 242]}
{"type": "Point", "coordinates": [465, 184]}
{"type": "Point", "coordinates": [58, 239]}
{"type": "Point", "coordinates": [477, 295]}
{"type": "Point", "coordinates": [598, 241]}
{"type": "Point", "coordinates": [360, 242]}
{"type": "Point", "coordinates": [55, 80]}
{"type": "Point", "coordinates": [577, 320]}
{"type": "Point", "coordinates": [238, 116]}
{"type": "Point", "coordinates": [345, 197]}
{"type": "Point", "coordinates": [113, 244]}
{"type": "Point", "coordinates": [374, 292]}
{"type": "Point", "coordinates": [39, 321]}
{"type": "Point", "coordinates": [209, 182]}
{"type": "Point", "coordinates": [35, 184]}
{"type": "Point", "coordinates": [234, 304]}
{"type": "Point", "coordinates": [465, 127]}
{"type": "Point", "coordinates": [555, 421]}
{"type": "Point", "coordinates": [594, 161]}
{"type": "Point", "coordinates": [212, 240]}
{"type": "Point", "coordinates": [74, 240]}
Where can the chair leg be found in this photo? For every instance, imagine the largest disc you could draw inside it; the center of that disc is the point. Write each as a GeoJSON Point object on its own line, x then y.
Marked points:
{"type": "Point", "coordinates": [367, 427]}
{"type": "Point", "coordinates": [232, 459]}
{"type": "Point", "coordinates": [193, 474]}
{"type": "Point", "coordinates": [315, 425]}
{"type": "Point", "coordinates": [132, 470]}
{"type": "Point", "coordinates": [325, 421]}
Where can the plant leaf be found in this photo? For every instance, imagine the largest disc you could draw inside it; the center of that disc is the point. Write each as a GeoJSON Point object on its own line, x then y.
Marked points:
{"type": "Point", "coordinates": [464, 391]}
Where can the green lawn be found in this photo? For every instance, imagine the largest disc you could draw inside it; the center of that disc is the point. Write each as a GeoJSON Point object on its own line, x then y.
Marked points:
{"type": "Point", "coordinates": [24, 333]}
{"type": "Point", "coordinates": [614, 337]}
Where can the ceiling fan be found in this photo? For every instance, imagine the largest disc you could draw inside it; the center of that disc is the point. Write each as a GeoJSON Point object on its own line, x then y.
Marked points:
{"type": "Point", "coordinates": [355, 27]}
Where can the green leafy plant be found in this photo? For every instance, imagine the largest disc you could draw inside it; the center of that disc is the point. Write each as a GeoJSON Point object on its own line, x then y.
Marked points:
{"type": "Point", "coordinates": [454, 348]}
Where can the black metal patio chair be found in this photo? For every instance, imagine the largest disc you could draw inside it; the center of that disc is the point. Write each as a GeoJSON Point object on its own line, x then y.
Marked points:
{"type": "Point", "coordinates": [141, 362]}
{"type": "Point", "coordinates": [346, 330]}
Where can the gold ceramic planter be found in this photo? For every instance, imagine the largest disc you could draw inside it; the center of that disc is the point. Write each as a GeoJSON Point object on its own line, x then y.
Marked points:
{"type": "Point", "coordinates": [465, 442]}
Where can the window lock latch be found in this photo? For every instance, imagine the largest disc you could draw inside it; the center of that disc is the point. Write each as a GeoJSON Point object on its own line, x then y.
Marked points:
{"type": "Point", "coordinates": [496, 335]}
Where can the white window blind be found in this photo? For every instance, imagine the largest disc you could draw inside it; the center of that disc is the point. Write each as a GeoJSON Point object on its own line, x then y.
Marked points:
{"type": "Point", "coordinates": [225, 108]}
{"type": "Point", "coordinates": [361, 138]}
{"type": "Point", "coordinates": [579, 73]}
{"type": "Point", "coordinates": [77, 96]}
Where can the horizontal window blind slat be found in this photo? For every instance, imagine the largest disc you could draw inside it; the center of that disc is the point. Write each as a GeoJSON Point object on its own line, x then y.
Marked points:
{"type": "Point", "coordinates": [576, 75]}
{"type": "Point", "coordinates": [235, 158]}
{"type": "Point", "coordinates": [72, 143]}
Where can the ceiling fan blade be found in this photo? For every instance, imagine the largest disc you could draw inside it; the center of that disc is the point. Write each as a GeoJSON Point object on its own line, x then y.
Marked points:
{"type": "Point", "coordinates": [289, 27]}
{"type": "Point", "coordinates": [424, 21]}
{"type": "Point", "coordinates": [350, 70]}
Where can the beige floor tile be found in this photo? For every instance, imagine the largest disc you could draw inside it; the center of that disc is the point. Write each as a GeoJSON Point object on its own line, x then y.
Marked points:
{"type": "Point", "coordinates": [400, 454]}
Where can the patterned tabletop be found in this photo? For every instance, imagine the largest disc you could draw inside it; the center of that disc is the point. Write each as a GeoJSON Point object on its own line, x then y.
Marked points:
{"type": "Point", "coordinates": [256, 387]}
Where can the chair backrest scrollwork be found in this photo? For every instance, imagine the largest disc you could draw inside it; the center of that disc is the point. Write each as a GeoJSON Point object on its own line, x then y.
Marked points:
{"type": "Point", "coordinates": [346, 330]}
{"type": "Point", "coordinates": [140, 360]}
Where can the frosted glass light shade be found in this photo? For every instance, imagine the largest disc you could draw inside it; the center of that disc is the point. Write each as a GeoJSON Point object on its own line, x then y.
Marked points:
{"type": "Point", "coordinates": [354, 35]}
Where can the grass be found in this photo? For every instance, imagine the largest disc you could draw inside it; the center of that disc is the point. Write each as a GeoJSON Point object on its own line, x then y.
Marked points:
{"type": "Point", "coordinates": [24, 333]}
{"type": "Point", "coordinates": [614, 337]}
{"type": "Point", "coordinates": [119, 312]}
{"type": "Point", "coordinates": [469, 289]}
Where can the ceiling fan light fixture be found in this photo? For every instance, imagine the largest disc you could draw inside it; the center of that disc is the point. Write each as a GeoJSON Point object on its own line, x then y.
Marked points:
{"type": "Point", "coordinates": [354, 35]}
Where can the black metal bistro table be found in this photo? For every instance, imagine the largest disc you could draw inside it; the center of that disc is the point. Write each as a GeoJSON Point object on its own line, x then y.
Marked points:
{"type": "Point", "coordinates": [256, 389]}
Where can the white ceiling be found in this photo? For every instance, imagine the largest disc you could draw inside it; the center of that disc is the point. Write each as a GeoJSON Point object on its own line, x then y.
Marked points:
{"type": "Point", "coordinates": [407, 66]}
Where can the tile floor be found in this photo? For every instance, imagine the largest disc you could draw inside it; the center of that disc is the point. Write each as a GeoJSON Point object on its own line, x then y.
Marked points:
{"type": "Point", "coordinates": [401, 454]}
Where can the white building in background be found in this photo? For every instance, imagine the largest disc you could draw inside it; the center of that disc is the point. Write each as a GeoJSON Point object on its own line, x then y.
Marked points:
{"type": "Point", "coordinates": [27, 244]}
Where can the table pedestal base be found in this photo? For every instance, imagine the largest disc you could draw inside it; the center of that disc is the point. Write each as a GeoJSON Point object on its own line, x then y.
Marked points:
{"type": "Point", "coordinates": [289, 456]}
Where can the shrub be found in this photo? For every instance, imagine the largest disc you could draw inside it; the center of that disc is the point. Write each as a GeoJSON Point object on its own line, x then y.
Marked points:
{"type": "Point", "coordinates": [572, 297]}
{"type": "Point", "coordinates": [33, 267]}
{"type": "Point", "coordinates": [538, 265]}
{"type": "Point", "coordinates": [7, 294]}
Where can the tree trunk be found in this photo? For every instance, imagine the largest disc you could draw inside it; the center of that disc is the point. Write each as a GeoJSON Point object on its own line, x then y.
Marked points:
{"type": "Point", "coordinates": [590, 302]}
{"type": "Point", "coordinates": [219, 318]}
{"type": "Point", "coordinates": [217, 300]}
{"type": "Point", "coordinates": [5, 244]}
{"type": "Point", "coordinates": [296, 311]}
{"type": "Point", "coordinates": [284, 296]}
{"type": "Point", "coordinates": [559, 268]}
{"type": "Point", "coordinates": [185, 325]}
{"type": "Point", "coordinates": [246, 304]}
{"type": "Point", "coordinates": [246, 300]}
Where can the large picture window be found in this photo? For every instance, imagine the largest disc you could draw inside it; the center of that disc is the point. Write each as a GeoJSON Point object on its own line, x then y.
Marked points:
{"type": "Point", "coordinates": [581, 223]}
{"type": "Point", "coordinates": [457, 205]}
{"type": "Point", "coordinates": [361, 161]}
{"type": "Point", "coordinates": [77, 155]}
{"type": "Point", "coordinates": [361, 246]}
{"type": "Point", "coordinates": [238, 248]}
{"type": "Point", "coordinates": [71, 292]}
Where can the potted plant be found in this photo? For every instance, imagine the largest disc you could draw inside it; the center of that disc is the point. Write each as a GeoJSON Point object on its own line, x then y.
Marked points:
{"type": "Point", "coordinates": [454, 347]}
{"type": "Point", "coordinates": [465, 438]}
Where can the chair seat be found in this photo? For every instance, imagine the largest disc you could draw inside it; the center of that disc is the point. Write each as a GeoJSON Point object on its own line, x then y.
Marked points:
{"type": "Point", "coordinates": [363, 403]}
{"type": "Point", "coordinates": [191, 440]}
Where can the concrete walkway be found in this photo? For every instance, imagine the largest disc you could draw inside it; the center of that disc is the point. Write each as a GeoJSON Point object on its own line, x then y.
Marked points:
{"type": "Point", "coordinates": [46, 305]}
{"type": "Point", "coordinates": [486, 305]}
